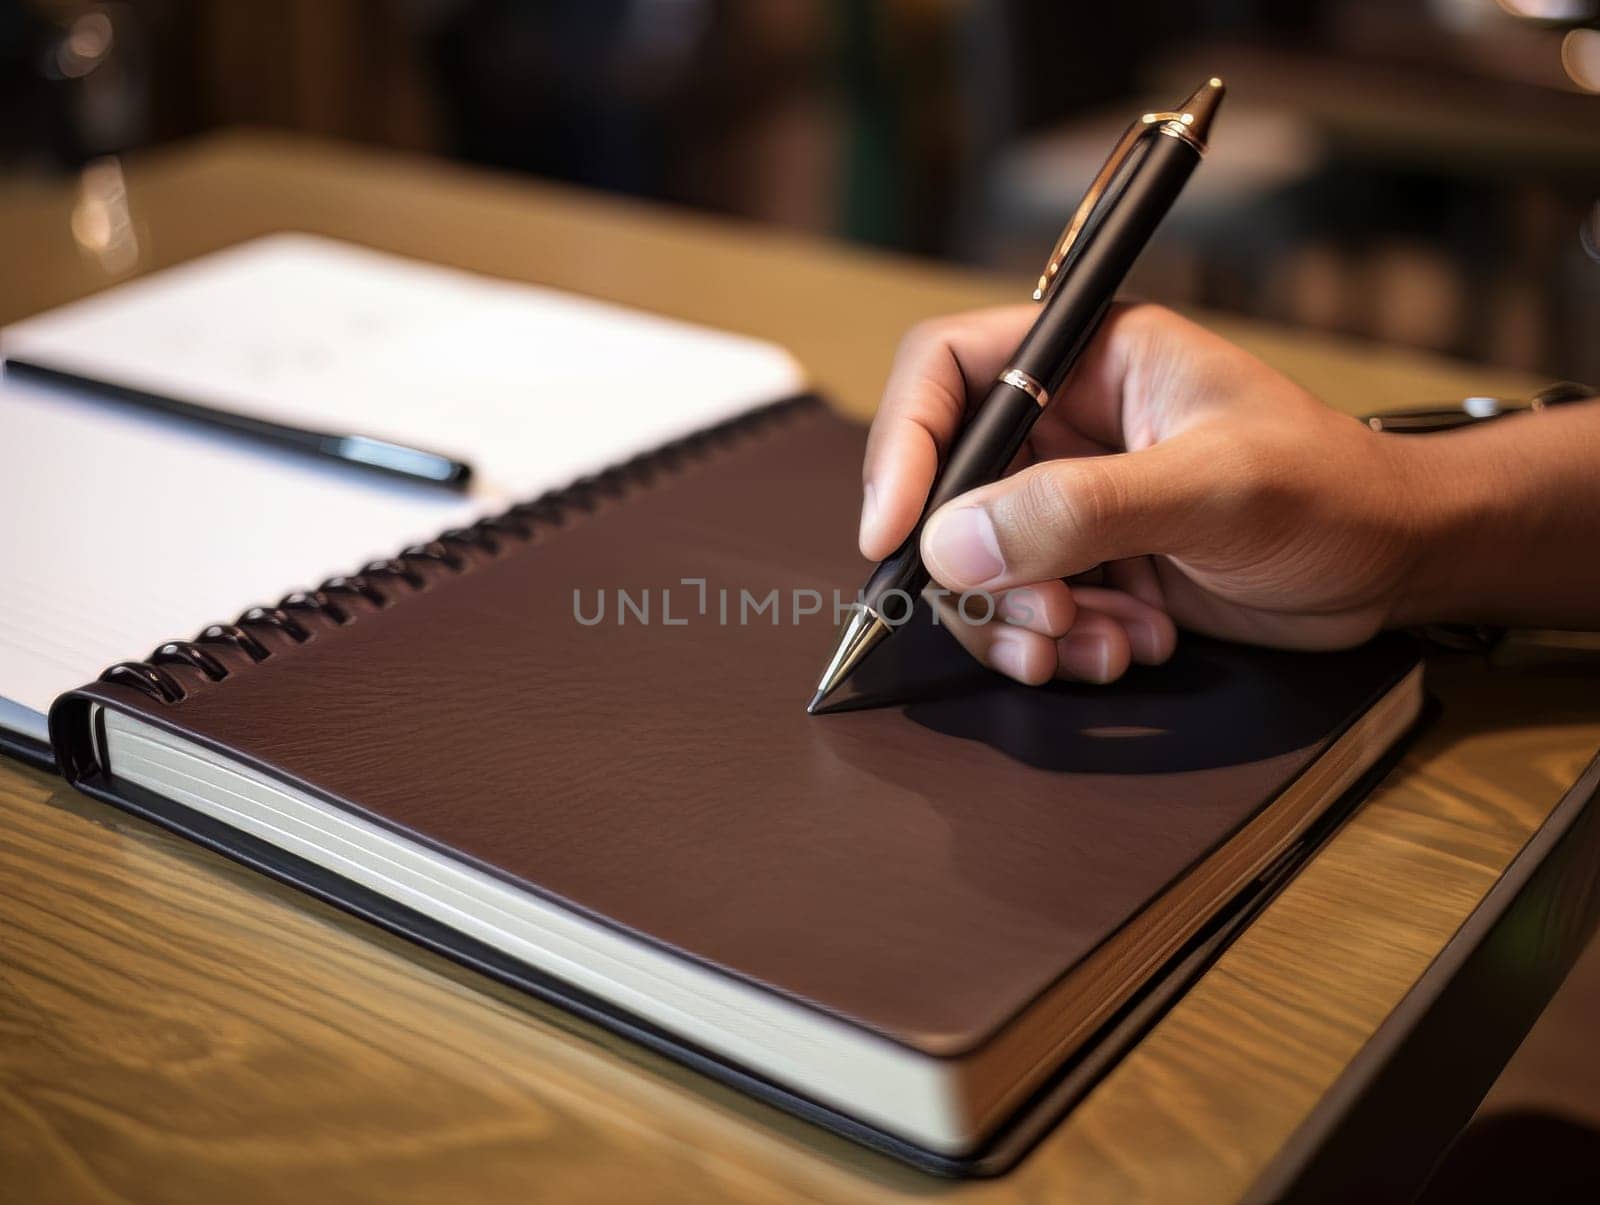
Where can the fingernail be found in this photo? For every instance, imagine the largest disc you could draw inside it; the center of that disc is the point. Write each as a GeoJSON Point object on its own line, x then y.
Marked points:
{"type": "Point", "coordinates": [1018, 606]}
{"type": "Point", "coordinates": [1008, 653]}
{"type": "Point", "coordinates": [869, 510]}
{"type": "Point", "coordinates": [964, 548]}
{"type": "Point", "coordinates": [1142, 639]}
{"type": "Point", "coordinates": [1087, 656]}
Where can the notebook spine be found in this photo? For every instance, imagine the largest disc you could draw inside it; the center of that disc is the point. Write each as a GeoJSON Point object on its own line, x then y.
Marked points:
{"type": "Point", "coordinates": [178, 667]}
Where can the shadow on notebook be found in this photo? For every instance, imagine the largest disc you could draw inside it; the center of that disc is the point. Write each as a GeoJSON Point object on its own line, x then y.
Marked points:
{"type": "Point", "coordinates": [1206, 708]}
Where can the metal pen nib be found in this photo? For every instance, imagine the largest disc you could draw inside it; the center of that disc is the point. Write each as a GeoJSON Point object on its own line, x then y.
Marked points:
{"type": "Point", "coordinates": [862, 632]}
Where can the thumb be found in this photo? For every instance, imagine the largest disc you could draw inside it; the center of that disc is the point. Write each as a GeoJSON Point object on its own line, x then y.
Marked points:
{"type": "Point", "coordinates": [1063, 517]}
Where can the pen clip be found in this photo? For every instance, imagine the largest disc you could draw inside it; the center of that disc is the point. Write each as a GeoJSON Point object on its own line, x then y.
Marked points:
{"type": "Point", "coordinates": [1176, 124]}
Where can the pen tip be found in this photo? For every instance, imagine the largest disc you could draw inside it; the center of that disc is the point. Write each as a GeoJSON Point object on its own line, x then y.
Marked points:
{"type": "Point", "coordinates": [862, 632]}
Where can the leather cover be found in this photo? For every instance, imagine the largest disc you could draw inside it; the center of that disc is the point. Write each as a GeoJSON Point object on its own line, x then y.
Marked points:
{"type": "Point", "coordinates": [923, 868]}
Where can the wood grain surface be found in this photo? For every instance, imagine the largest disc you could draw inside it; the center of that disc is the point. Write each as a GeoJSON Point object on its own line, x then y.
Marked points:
{"type": "Point", "coordinates": [174, 1028]}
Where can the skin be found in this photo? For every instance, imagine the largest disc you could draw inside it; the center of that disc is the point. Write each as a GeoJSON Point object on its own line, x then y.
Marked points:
{"type": "Point", "coordinates": [1178, 482]}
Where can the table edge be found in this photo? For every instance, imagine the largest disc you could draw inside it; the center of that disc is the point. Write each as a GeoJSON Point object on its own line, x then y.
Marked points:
{"type": "Point", "coordinates": [1377, 1133]}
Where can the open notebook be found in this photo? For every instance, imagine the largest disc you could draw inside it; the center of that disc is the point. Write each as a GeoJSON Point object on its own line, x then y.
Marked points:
{"type": "Point", "coordinates": [567, 745]}
{"type": "Point", "coordinates": [310, 332]}
{"type": "Point", "coordinates": [126, 527]}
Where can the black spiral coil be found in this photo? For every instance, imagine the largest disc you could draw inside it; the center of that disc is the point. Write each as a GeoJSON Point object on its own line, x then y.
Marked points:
{"type": "Point", "coordinates": [260, 632]}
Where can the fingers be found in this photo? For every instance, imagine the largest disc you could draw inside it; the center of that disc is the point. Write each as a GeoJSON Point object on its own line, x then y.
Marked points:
{"type": "Point", "coordinates": [1063, 517]}
{"type": "Point", "coordinates": [937, 366]}
{"type": "Point", "coordinates": [1044, 607]}
{"type": "Point", "coordinates": [1149, 631]}
{"type": "Point", "coordinates": [1123, 393]}
{"type": "Point", "coordinates": [1048, 630]}
{"type": "Point", "coordinates": [1137, 577]}
{"type": "Point", "coordinates": [1096, 650]}
{"type": "Point", "coordinates": [1029, 657]}
{"type": "Point", "coordinates": [1016, 632]}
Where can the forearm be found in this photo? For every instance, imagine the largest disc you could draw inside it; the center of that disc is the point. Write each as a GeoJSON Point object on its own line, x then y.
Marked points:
{"type": "Point", "coordinates": [1509, 522]}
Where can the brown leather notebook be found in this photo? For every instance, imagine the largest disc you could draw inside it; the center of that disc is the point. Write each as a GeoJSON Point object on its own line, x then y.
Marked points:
{"type": "Point", "coordinates": [570, 746]}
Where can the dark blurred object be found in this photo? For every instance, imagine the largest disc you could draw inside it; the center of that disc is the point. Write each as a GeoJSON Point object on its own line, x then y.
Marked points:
{"type": "Point", "coordinates": [817, 115]}
{"type": "Point", "coordinates": [1414, 171]}
{"type": "Point", "coordinates": [1410, 171]}
{"type": "Point", "coordinates": [1447, 416]}
{"type": "Point", "coordinates": [1536, 1138]}
{"type": "Point", "coordinates": [583, 92]}
{"type": "Point", "coordinates": [1531, 1158]}
{"type": "Point", "coordinates": [74, 81]}
{"type": "Point", "coordinates": [30, 109]}
{"type": "Point", "coordinates": [338, 68]}
{"type": "Point", "coordinates": [721, 104]}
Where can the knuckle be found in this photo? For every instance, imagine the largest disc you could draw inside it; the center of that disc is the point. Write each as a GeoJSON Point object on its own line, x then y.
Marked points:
{"type": "Point", "coordinates": [1090, 495]}
{"type": "Point", "coordinates": [1256, 469]}
{"type": "Point", "coordinates": [1256, 481]}
{"type": "Point", "coordinates": [1149, 313]}
{"type": "Point", "coordinates": [927, 335]}
{"type": "Point", "coordinates": [1147, 320]}
{"type": "Point", "coordinates": [1051, 511]}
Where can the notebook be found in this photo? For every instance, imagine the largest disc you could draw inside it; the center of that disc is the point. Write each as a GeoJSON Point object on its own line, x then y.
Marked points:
{"type": "Point", "coordinates": [569, 746]}
{"type": "Point", "coordinates": [130, 527]}
{"type": "Point", "coordinates": [556, 729]}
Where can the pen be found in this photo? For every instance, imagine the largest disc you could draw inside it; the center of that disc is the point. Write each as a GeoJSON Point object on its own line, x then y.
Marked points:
{"type": "Point", "coordinates": [1471, 411]}
{"type": "Point", "coordinates": [1147, 169]}
{"type": "Point", "coordinates": [365, 451]}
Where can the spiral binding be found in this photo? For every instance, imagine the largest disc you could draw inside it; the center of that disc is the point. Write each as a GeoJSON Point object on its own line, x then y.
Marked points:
{"type": "Point", "coordinates": [260, 633]}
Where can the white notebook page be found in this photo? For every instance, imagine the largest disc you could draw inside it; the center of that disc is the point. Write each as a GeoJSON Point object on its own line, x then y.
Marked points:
{"type": "Point", "coordinates": [124, 528]}
{"type": "Point", "coordinates": [532, 386]}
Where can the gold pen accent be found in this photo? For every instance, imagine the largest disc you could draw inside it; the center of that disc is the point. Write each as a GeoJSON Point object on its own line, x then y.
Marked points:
{"type": "Point", "coordinates": [1018, 379]}
{"type": "Point", "coordinates": [1190, 124]}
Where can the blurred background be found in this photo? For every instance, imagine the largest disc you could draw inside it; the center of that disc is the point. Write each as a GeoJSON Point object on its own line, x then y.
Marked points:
{"type": "Point", "coordinates": [1421, 172]}
{"type": "Point", "coordinates": [1417, 171]}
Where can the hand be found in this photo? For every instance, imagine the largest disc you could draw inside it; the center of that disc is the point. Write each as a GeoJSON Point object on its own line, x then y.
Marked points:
{"type": "Point", "coordinates": [1175, 480]}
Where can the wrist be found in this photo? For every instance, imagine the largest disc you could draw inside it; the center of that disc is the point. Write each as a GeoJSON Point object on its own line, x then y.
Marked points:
{"type": "Point", "coordinates": [1456, 505]}
{"type": "Point", "coordinates": [1505, 521]}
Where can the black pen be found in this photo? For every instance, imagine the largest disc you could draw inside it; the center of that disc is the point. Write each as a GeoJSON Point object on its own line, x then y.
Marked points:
{"type": "Point", "coordinates": [364, 451]}
{"type": "Point", "coordinates": [1148, 169]}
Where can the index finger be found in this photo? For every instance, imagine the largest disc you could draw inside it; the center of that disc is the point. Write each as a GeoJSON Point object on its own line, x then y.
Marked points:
{"type": "Point", "coordinates": [938, 366]}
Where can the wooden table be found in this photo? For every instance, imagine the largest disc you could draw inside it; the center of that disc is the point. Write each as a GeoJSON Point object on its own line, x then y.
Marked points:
{"type": "Point", "coordinates": [175, 1028]}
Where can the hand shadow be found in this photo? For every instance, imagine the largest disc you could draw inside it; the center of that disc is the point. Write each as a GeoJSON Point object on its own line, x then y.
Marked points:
{"type": "Point", "coordinates": [1213, 704]}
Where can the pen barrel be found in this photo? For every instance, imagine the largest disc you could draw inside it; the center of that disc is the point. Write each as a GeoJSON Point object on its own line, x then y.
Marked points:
{"type": "Point", "coordinates": [982, 453]}
{"type": "Point", "coordinates": [1071, 315]}
{"type": "Point", "coordinates": [1096, 269]}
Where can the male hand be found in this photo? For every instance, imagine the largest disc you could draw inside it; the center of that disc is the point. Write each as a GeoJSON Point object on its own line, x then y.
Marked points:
{"type": "Point", "coordinates": [1175, 480]}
